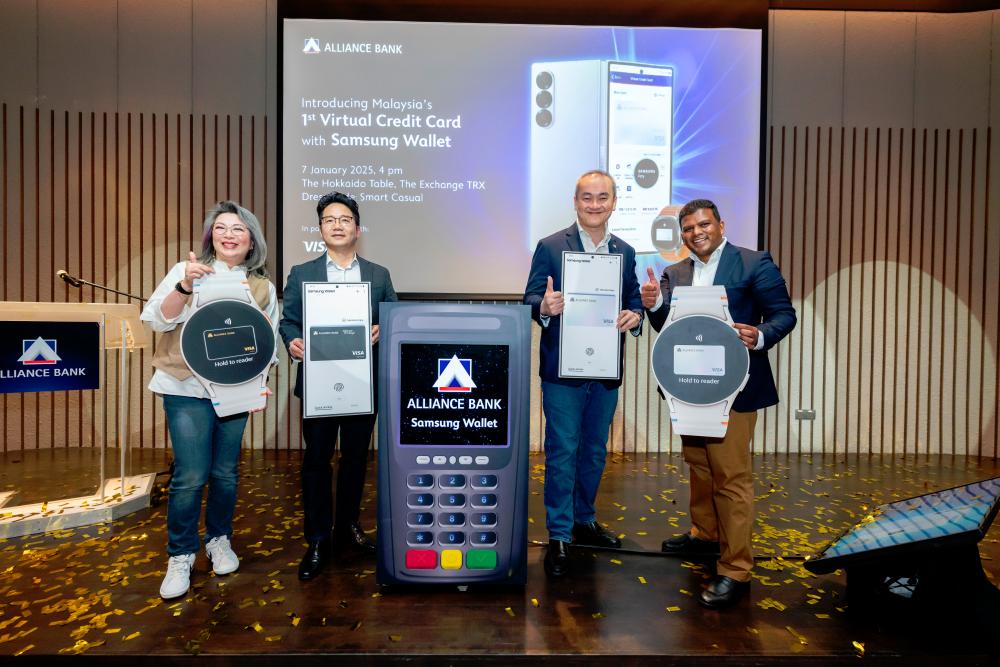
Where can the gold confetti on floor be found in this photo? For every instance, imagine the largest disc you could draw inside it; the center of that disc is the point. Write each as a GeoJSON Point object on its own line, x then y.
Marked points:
{"type": "Point", "coordinates": [793, 632]}
{"type": "Point", "coordinates": [93, 583]}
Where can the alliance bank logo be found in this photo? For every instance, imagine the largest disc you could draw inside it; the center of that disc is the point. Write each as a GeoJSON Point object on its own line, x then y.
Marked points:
{"type": "Point", "coordinates": [311, 45]}
{"type": "Point", "coordinates": [41, 351]}
{"type": "Point", "coordinates": [454, 375]}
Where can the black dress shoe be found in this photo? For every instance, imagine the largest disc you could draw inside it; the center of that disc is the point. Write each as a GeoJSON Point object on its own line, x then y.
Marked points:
{"type": "Point", "coordinates": [688, 545]}
{"type": "Point", "coordinates": [353, 536]}
{"type": "Point", "coordinates": [593, 534]}
{"type": "Point", "coordinates": [722, 592]}
{"type": "Point", "coordinates": [314, 560]}
{"type": "Point", "coordinates": [557, 559]}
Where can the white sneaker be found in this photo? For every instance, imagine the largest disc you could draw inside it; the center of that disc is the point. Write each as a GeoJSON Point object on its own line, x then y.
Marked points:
{"type": "Point", "coordinates": [178, 578]}
{"type": "Point", "coordinates": [221, 554]}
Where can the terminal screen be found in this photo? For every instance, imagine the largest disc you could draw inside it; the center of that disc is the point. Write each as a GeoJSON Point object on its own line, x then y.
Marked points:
{"type": "Point", "coordinates": [453, 394]}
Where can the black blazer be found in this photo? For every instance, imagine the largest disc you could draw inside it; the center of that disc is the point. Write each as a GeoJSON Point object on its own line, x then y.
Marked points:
{"type": "Point", "coordinates": [546, 262]}
{"type": "Point", "coordinates": [314, 270]}
{"type": "Point", "coordinates": [757, 295]}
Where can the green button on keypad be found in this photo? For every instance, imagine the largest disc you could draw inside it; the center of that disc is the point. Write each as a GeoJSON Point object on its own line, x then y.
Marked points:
{"type": "Point", "coordinates": [481, 559]}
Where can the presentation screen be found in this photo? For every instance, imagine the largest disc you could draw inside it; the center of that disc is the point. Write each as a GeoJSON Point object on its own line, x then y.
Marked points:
{"type": "Point", "coordinates": [462, 143]}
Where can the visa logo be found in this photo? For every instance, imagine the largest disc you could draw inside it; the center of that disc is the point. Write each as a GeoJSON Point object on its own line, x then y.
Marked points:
{"type": "Point", "coordinates": [314, 246]}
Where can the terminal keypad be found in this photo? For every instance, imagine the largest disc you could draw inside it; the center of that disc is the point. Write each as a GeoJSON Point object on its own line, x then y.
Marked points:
{"type": "Point", "coordinates": [452, 521]}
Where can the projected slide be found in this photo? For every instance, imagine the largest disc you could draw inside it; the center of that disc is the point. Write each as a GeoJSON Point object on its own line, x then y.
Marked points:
{"type": "Point", "coordinates": [462, 142]}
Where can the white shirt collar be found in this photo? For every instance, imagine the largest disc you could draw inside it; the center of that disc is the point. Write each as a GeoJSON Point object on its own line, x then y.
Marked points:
{"type": "Point", "coordinates": [331, 263]}
{"type": "Point", "coordinates": [585, 236]}
{"type": "Point", "coordinates": [219, 265]}
{"type": "Point", "coordinates": [714, 257]}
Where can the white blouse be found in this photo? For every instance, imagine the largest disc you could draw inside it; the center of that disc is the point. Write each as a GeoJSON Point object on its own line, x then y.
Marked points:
{"type": "Point", "coordinates": [164, 383]}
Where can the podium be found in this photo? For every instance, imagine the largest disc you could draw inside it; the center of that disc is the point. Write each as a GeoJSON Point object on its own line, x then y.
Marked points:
{"type": "Point", "coordinates": [64, 347]}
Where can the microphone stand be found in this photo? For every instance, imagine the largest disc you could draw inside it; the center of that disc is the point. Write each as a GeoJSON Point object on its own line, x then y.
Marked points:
{"type": "Point", "coordinates": [79, 282]}
{"type": "Point", "coordinates": [122, 372]}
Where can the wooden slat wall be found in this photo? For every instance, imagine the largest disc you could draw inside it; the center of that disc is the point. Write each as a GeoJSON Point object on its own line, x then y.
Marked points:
{"type": "Point", "coordinates": [117, 198]}
{"type": "Point", "coordinates": [884, 239]}
{"type": "Point", "coordinates": [881, 234]}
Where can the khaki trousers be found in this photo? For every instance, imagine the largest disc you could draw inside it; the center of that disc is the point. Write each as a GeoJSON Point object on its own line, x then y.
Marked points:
{"type": "Point", "coordinates": [722, 493]}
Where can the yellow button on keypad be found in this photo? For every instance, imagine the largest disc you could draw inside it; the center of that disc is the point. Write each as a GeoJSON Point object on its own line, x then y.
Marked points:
{"type": "Point", "coordinates": [451, 559]}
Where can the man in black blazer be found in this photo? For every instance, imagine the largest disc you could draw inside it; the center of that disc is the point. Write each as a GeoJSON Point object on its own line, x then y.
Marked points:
{"type": "Point", "coordinates": [340, 225]}
{"type": "Point", "coordinates": [721, 469]}
{"type": "Point", "coordinates": [578, 413]}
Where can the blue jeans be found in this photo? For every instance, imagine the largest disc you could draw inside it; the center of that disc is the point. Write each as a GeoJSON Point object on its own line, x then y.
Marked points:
{"type": "Point", "coordinates": [577, 420]}
{"type": "Point", "coordinates": [206, 451]}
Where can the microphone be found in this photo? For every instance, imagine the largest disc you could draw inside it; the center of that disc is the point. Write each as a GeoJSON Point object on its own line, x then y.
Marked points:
{"type": "Point", "coordinates": [80, 282]}
{"type": "Point", "coordinates": [75, 282]}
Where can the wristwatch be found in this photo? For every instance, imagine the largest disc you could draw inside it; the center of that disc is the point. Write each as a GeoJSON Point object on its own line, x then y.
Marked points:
{"type": "Point", "coordinates": [699, 361]}
{"type": "Point", "coordinates": [228, 343]}
{"type": "Point", "coordinates": [665, 235]}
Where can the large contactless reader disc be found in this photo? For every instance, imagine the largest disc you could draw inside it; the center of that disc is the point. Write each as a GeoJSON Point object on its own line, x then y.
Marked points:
{"type": "Point", "coordinates": [700, 360]}
{"type": "Point", "coordinates": [227, 342]}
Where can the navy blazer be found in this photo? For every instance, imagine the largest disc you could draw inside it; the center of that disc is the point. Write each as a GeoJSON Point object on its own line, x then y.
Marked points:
{"type": "Point", "coordinates": [314, 270]}
{"type": "Point", "coordinates": [546, 262]}
{"type": "Point", "coordinates": [757, 295]}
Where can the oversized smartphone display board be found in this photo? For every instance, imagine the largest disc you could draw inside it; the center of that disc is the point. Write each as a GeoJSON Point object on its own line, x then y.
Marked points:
{"type": "Point", "coordinates": [453, 443]}
{"type": "Point", "coordinates": [462, 142]}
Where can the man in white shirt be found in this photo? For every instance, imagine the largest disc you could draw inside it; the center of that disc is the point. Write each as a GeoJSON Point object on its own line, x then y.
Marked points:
{"type": "Point", "coordinates": [578, 412]}
{"type": "Point", "coordinates": [340, 225]}
{"type": "Point", "coordinates": [721, 468]}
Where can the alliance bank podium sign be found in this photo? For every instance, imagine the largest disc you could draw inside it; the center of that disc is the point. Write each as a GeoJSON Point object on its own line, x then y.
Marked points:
{"type": "Point", "coordinates": [49, 356]}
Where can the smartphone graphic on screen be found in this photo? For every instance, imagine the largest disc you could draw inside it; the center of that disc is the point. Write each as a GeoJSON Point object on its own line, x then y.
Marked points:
{"type": "Point", "coordinates": [640, 147]}
{"type": "Point", "coordinates": [568, 123]}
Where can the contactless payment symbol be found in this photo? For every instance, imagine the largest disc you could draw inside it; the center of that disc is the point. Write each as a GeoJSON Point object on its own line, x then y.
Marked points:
{"type": "Point", "coordinates": [38, 351]}
{"type": "Point", "coordinates": [454, 375]}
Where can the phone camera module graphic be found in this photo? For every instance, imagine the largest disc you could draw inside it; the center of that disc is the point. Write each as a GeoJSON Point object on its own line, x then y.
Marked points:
{"type": "Point", "coordinates": [543, 98]}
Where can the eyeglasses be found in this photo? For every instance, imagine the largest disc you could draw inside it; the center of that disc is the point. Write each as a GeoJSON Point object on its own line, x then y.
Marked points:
{"type": "Point", "coordinates": [342, 221]}
{"type": "Point", "coordinates": [236, 230]}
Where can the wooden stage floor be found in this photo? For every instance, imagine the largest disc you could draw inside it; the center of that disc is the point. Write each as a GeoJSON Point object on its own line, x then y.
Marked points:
{"type": "Point", "coordinates": [94, 590]}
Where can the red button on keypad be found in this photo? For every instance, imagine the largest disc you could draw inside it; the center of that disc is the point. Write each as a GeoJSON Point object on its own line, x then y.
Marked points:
{"type": "Point", "coordinates": [421, 559]}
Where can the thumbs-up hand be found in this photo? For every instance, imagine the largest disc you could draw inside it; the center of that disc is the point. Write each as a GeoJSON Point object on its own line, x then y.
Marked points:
{"type": "Point", "coordinates": [650, 290]}
{"type": "Point", "coordinates": [193, 270]}
{"type": "Point", "coordinates": [552, 303]}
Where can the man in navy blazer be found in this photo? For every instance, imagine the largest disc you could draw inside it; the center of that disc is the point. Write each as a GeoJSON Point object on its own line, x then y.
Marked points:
{"type": "Point", "coordinates": [578, 413]}
{"type": "Point", "coordinates": [721, 468]}
{"type": "Point", "coordinates": [340, 225]}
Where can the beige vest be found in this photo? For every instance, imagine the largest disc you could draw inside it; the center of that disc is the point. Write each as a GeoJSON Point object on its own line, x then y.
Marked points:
{"type": "Point", "coordinates": [168, 358]}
